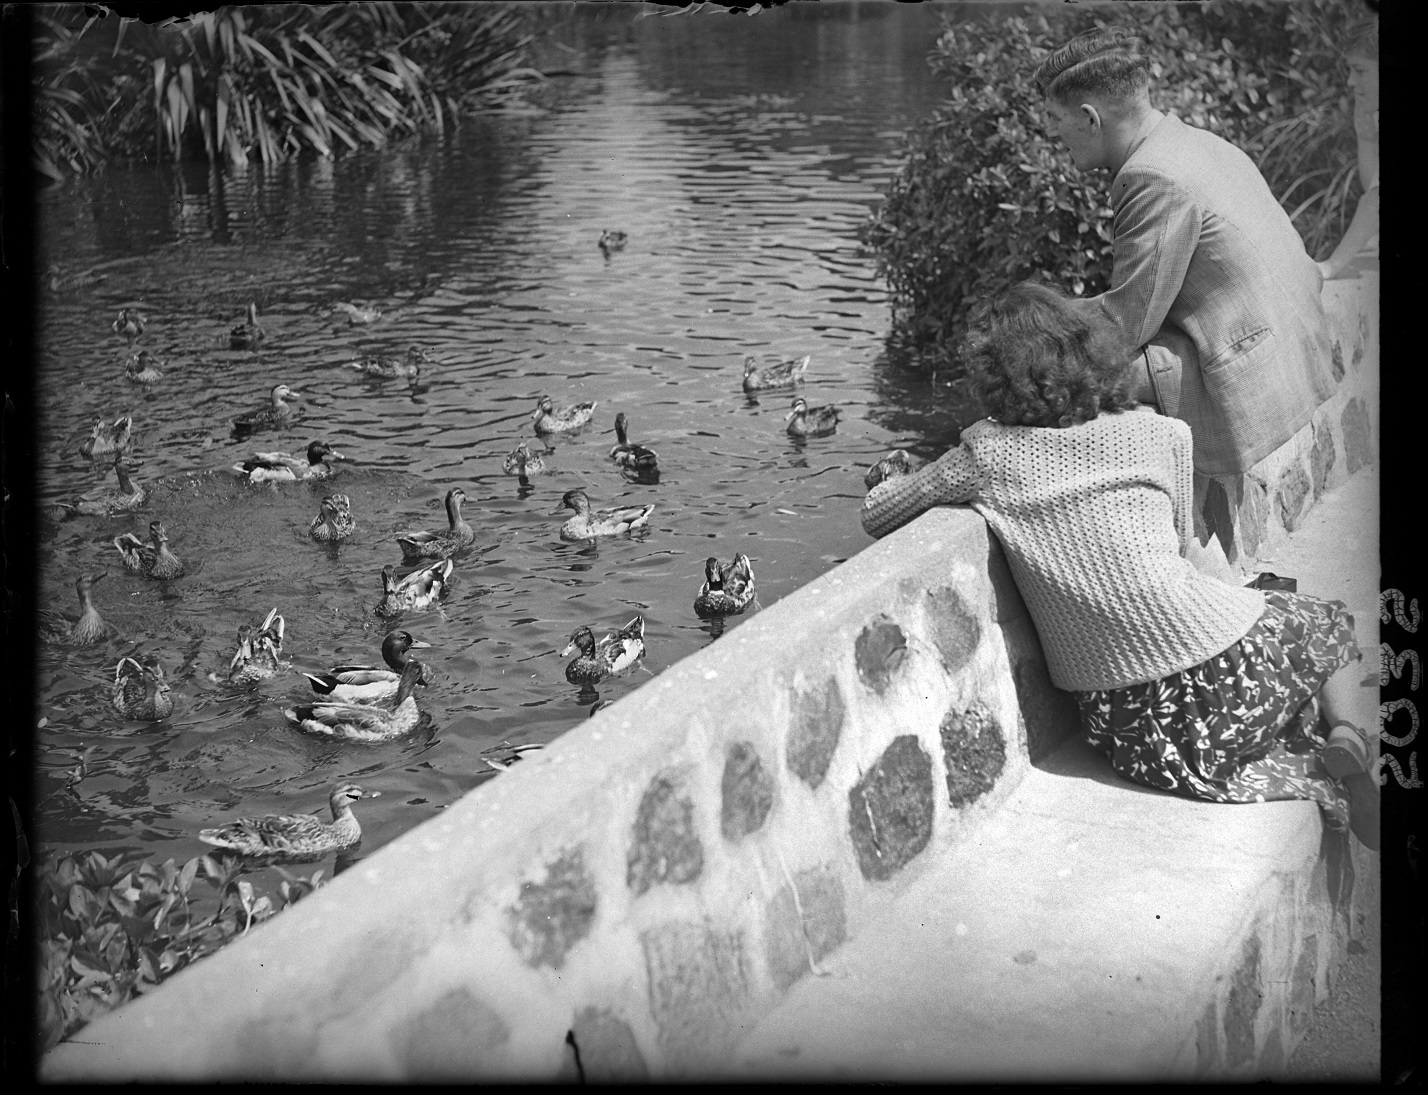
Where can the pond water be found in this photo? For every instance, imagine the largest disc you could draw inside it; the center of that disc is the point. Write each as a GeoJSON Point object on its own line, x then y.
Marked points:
{"type": "Point", "coordinates": [739, 155]}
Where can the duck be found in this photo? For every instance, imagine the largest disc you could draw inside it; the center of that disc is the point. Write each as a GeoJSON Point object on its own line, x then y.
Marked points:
{"type": "Point", "coordinates": [633, 457]}
{"type": "Point", "coordinates": [366, 683]}
{"type": "Point", "coordinates": [806, 421]}
{"type": "Point", "coordinates": [108, 501]}
{"type": "Point", "coordinates": [393, 368]}
{"type": "Point", "coordinates": [301, 838]}
{"type": "Point", "coordinates": [334, 520]}
{"type": "Point", "coordinates": [893, 464]}
{"type": "Point", "coordinates": [258, 650]}
{"type": "Point", "coordinates": [588, 523]}
{"type": "Point", "coordinates": [108, 440]}
{"type": "Point", "coordinates": [512, 754]}
{"type": "Point", "coordinates": [364, 721]}
{"type": "Point", "coordinates": [612, 241]}
{"type": "Point", "coordinates": [140, 691]}
{"type": "Point", "coordinates": [438, 545]}
{"type": "Point", "coordinates": [142, 367]}
{"type": "Point", "coordinates": [784, 374]}
{"type": "Point", "coordinates": [359, 314]}
{"type": "Point", "coordinates": [152, 560]}
{"type": "Point", "coordinates": [521, 461]}
{"type": "Point", "coordinates": [88, 628]}
{"type": "Point", "coordinates": [248, 334]}
{"type": "Point", "coordinates": [277, 412]}
{"type": "Point", "coordinates": [613, 654]}
{"type": "Point", "coordinates": [419, 589]}
{"type": "Point", "coordinates": [726, 591]}
{"type": "Point", "coordinates": [550, 420]}
{"type": "Point", "coordinates": [283, 467]}
{"type": "Point", "coordinates": [130, 324]}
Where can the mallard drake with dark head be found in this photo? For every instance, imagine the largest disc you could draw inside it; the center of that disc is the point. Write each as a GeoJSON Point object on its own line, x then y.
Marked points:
{"type": "Point", "coordinates": [276, 412]}
{"type": "Point", "coordinates": [363, 721]}
{"type": "Point", "coordinates": [549, 419]}
{"type": "Point", "coordinates": [300, 838]}
{"type": "Point", "coordinates": [387, 367]}
{"type": "Point", "coordinates": [108, 440]}
{"type": "Point", "coordinates": [367, 683]}
{"type": "Point", "coordinates": [613, 654]}
{"type": "Point", "coordinates": [107, 501]}
{"type": "Point", "coordinates": [142, 367]}
{"type": "Point", "coordinates": [152, 560]}
{"type": "Point", "coordinates": [249, 334]}
{"type": "Point", "coordinates": [130, 324]}
{"type": "Point", "coordinates": [727, 590]}
{"type": "Point", "coordinates": [438, 545]}
{"type": "Point", "coordinates": [632, 457]}
{"type": "Point", "coordinates": [284, 467]}
{"type": "Point", "coordinates": [334, 520]}
{"type": "Point", "coordinates": [88, 628]}
{"type": "Point", "coordinates": [588, 524]}
{"type": "Point", "coordinates": [140, 691]}
{"type": "Point", "coordinates": [259, 647]}
{"type": "Point", "coordinates": [419, 589]}
{"type": "Point", "coordinates": [521, 461]}
{"type": "Point", "coordinates": [806, 421]}
{"type": "Point", "coordinates": [781, 374]}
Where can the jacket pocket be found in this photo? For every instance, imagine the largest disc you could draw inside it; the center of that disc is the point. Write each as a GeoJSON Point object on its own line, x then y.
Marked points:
{"type": "Point", "coordinates": [1240, 357]}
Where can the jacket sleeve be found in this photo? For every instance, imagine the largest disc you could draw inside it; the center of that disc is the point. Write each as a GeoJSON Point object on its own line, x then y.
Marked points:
{"type": "Point", "coordinates": [1156, 227]}
{"type": "Point", "coordinates": [949, 479]}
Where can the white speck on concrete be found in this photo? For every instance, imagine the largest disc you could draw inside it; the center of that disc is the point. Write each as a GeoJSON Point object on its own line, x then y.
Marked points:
{"type": "Point", "coordinates": [961, 928]}
{"type": "Point", "coordinates": [596, 736]}
{"type": "Point", "coordinates": [1065, 872]}
{"type": "Point", "coordinates": [710, 674]}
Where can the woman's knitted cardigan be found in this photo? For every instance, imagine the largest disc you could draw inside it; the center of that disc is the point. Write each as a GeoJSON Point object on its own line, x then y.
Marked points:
{"type": "Point", "coordinates": [1093, 519]}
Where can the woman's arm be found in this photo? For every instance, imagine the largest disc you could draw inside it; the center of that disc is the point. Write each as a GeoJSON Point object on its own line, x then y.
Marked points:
{"type": "Point", "coordinates": [1361, 230]}
{"type": "Point", "coordinates": [949, 479]}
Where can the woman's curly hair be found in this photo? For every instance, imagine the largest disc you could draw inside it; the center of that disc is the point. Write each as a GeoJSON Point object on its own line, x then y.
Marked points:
{"type": "Point", "coordinates": [1039, 358]}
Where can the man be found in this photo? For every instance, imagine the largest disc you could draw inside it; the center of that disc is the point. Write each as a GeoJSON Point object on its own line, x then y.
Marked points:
{"type": "Point", "coordinates": [1212, 289]}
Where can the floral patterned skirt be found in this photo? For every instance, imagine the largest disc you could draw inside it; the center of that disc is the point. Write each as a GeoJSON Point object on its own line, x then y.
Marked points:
{"type": "Point", "coordinates": [1242, 726]}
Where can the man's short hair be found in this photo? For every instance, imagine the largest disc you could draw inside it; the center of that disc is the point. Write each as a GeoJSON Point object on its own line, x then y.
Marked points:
{"type": "Point", "coordinates": [1109, 62]}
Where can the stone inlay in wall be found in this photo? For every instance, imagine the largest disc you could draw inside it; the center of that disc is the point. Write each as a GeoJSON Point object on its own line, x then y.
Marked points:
{"type": "Point", "coordinates": [880, 650]}
{"type": "Point", "coordinates": [817, 723]}
{"type": "Point", "coordinates": [607, 1047]}
{"type": "Point", "coordinates": [1306, 972]}
{"type": "Point", "coordinates": [1047, 715]}
{"type": "Point", "coordinates": [747, 791]}
{"type": "Point", "coordinates": [551, 916]}
{"type": "Point", "coordinates": [664, 846]}
{"type": "Point", "coordinates": [890, 809]}
{"type": "Point", "coordinates": [1218, 517]}
{"type": "Point", "coordinates": [956, 630]}
{"type": "Point", "coordinates": [458, 1037]}
{"type": "Point", "coordinates": [698, 986]}
{"type": "Point", "coordinates": [1336, 362]}
{"type": "Point", "coordinates": [1293, 490]}
{"type": "Point", "coordinates": [803, 926]}
{"type": "Point", "coordinates": [1354, 423]}
{"type": "Point", "coordinates": [1242, 1006]}
{"type": "Point", "coordinates": [1321, 457]}
{"type": "Point", "coordinates": [975, 750]}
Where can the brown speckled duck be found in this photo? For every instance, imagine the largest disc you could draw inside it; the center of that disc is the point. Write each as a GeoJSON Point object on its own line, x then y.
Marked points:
{"type": "Point", "coordinates": [301, 838]}
{"type": "Point", "coordinates": [88, 628]}
{"type": "Point", "coordinates": [438, 545]}
{"type": "Point", "coordinates": [140, 691]}
{"type": "Point", "coordinates": [108, 440]}
{"type": "Point", "coordinates": [108, 500]}
{"type": "Point", "coordinates": [152, 560]}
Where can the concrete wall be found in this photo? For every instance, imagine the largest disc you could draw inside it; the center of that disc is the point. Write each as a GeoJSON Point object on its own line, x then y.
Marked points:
{"type": "Point", "coordinates": [657, 881]}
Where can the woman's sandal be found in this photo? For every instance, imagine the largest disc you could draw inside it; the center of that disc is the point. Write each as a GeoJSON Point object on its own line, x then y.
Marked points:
{"type": "Point", "coordinates": [1348, 758]}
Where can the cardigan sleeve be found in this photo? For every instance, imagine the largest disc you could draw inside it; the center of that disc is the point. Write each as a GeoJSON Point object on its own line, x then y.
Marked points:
{"type": "Point", "coordinates": [949, 479]}
{"type": "Point", "coordinates": [1184, 497]}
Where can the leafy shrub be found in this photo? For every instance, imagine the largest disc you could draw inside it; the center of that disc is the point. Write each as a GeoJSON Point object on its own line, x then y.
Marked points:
{"type": "Point", "coordinates": [110, 929]}
{"type": "Point", "coordinates": [986, 195]}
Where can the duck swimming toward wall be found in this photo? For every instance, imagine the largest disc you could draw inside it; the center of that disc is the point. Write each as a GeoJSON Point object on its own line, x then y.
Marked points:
{"type": "Point", "coordinates": [108, 440]}
{"type": "Point", "coordinates": [549, 419]}
{"type": "Point", "coordinates": [283, 467]}
{"type": "Point", "coordinates": [249, 334]}
{"type": "Point", "coordinates": [386, 367]}
{"type": "Point", "coordinates": [140, 691]}
{"type": "Point", "coordinates": [521, 461]}
{"type": "Point", "coordinates": [142, 368]}
{"type": "Point", "coordinates": [259, 647]}
{"type": "Point", "coordinates": [782, 374]}
{"type": "Point", "coordinates": [613, 654]}
{"type": "Point", "coordinates": [419, 589]}
{"type": "Point", "coordinates": [893, 464]}
{"type": "Point", "coordinates": [806, 421]}
{"type": "Point", "coordinates": [334, 520]}
{"type": "Point", "coordinates": [130, 324]}
{"type": "Point", "coordinates": [366, 683]}
{"type": "Point", "coordinates": [301, 838]}
{"type": "Point", "coordinates": [588, 524]}
{"type": "Point", "coordinates": [152, 560]}
{"type": "Point", "coordinates": [635, 458]}
{"type": "Point", "coordinates": [727, 590]}
{"type": "Point", "coordinates": [109, 500]}
{"type": "Point", "coordinates": [88, 628]}
{"type": "Point", "coordinates": [438, 545]}
{"type": "Point", "coordinates": [359, 315]}
{"type": "Point", "coordinates": [610, 242]}
{"type": "Point", "coordinates": [275, 413]}
{"type": "Point", "coordinates": [362, 721]}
